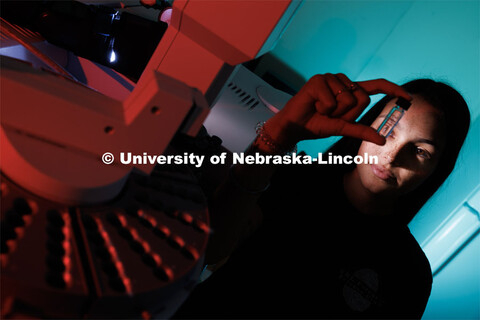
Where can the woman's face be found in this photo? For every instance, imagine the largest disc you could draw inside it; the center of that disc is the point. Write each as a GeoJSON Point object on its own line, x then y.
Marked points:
{"type": "Point", "coordinates": [410, 154]}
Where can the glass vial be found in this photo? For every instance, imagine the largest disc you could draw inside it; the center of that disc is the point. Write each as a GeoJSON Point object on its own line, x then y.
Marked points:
{"type": "Point", "coordinates": [393, 117]}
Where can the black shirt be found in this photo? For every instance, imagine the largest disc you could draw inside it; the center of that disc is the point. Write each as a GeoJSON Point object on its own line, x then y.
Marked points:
{"type": "Point", "coordinates": [315, 256]}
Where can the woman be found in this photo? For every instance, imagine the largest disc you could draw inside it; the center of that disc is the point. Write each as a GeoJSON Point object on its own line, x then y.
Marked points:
{"type": "Point", "coordinates": [334, 241]}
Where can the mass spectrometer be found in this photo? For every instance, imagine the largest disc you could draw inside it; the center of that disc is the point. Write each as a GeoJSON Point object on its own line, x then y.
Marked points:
{"type": "Point", "coordinates": [83, 235]}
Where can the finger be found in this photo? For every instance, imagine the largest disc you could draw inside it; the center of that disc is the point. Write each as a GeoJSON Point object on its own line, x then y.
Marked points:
{"type": "Point", "coordinates": [361, 96]}
{"type": "Point", "coordinates": [346, 81]}
{"type": "Point", "coordinates": [343, 95]}
{"type": "Point", "coordinates": [384, 86]}
{"type": "Point", "coordinates": [315, 95]}
{"type": "Point", "coordinates": [363, 100]}
{"type": "Point", "coordinates": [362, 132]}
{"type": "Point", "coordinates": [359, 131]}
{"type": "Point", "coordinates": [326, 109]}
{"type": "Point", "coordinates": [322, 127]}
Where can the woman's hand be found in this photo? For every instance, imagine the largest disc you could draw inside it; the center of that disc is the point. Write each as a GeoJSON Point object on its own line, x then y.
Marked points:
{"type": "Point", "coordinates": [328, 105]}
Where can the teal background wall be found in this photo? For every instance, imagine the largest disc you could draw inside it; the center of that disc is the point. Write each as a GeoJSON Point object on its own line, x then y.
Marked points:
{"type": "Point", "coordinates": [400, 41]}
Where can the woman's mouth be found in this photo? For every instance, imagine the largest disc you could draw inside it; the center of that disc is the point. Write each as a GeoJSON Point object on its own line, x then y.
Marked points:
{"type": "Point", "coordinates": [383, 173]}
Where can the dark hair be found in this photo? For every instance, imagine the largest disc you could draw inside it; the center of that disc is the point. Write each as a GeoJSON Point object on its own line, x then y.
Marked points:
{"type": "Point", "coordinates": [457, 121]}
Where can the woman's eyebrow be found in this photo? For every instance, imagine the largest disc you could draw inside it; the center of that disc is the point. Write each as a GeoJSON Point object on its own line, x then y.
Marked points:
{"type": "Point", "coordinates": [428, 141]}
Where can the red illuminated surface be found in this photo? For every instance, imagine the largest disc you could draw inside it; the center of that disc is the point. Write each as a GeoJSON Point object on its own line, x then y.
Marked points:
{"type": "Point", "coordinates": [64, 257]}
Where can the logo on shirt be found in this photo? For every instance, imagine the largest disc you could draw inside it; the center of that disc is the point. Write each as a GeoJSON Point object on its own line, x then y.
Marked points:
{"type": "Point", "coordinates": [360, 289]}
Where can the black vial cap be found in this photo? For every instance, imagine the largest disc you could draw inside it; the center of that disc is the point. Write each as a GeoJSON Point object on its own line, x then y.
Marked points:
{"type": "Point", "coordinates": [403, 103]}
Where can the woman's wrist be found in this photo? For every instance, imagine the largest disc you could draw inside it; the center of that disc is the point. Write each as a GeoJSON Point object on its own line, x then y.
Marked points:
{"type": "Point", "coordinates": [271, 139]}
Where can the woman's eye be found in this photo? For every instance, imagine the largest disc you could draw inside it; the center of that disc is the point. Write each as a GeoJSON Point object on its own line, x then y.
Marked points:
{"type": "Point", "coordinates": [422, 153]}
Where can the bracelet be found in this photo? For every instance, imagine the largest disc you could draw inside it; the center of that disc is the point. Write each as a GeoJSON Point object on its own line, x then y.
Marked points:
{"type": "Point", "coordinates": [241, 187]}
{"type": "Point", "coordinates": [269, 142]}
